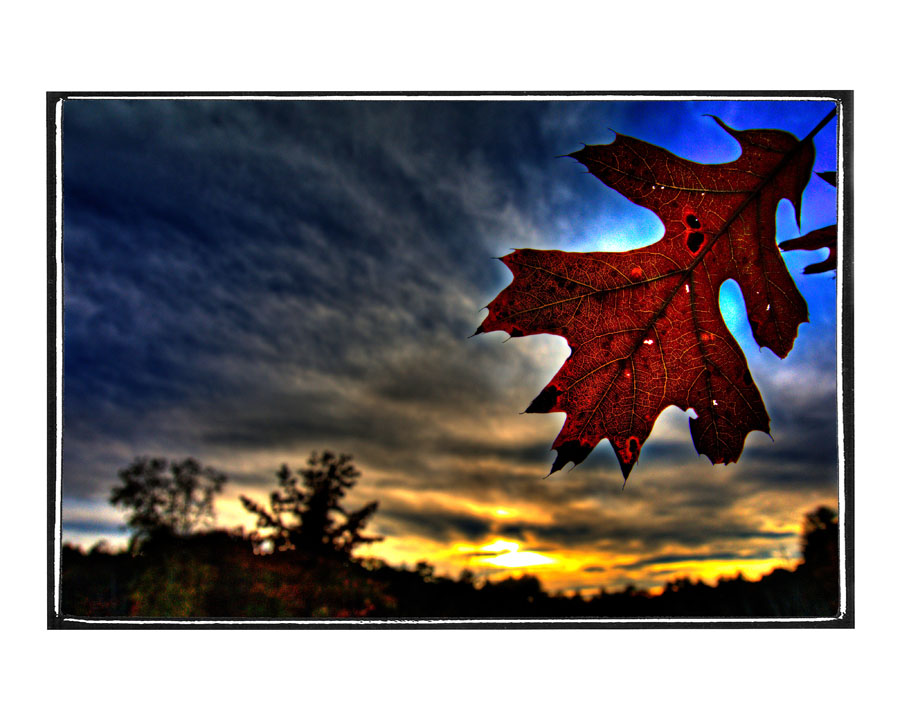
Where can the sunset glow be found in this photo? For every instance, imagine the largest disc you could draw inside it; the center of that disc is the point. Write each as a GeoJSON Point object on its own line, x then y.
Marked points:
{"type": "Point", "coordinates": [519, 560]}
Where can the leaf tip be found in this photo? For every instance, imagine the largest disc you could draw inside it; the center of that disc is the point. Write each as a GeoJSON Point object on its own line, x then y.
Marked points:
{"type": "Point", "coordinates": [545, 401]}
{"type": "Point", "coordinates": [570, 451]}
{"type": "Point", "coordinates": [722, 124]}
{"type": "Point", "coordinates": [829, 176]}
{"type": "Point", "coordinates": [626, 470]}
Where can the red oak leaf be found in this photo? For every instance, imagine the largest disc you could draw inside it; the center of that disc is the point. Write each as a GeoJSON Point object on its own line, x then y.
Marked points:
{"type": "Point", "coordinates": [644, 326]}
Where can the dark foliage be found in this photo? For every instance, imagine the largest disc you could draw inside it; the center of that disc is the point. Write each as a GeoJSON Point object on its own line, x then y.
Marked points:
{"type": "Point", "coordinates": [222, 574]}
{"type": "Point", "coordinates": [299, 563]}
{"type": "Point", "coordinates": [97, 583]}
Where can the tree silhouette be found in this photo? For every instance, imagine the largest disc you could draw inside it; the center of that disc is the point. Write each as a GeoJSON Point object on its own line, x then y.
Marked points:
{"type": "Point", "coordinates": [821, 561]}
{"type": "Point", "coordinates": [820, 537]}
{"type": "Point", "coordinates": [305, 512]}
{"type": "Point", "coordinates": [164, 497]}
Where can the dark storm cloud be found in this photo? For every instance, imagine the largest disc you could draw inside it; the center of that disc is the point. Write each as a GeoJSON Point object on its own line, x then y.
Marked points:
{"type": "Point", "coordinates": [653, 532]}
{"type": "Point", "coordinates": [698, 557]}
{"type": "Point", "coordinates": [211, 251]}
{"type": "Point", "coordinates": [99, 528]}
{"type": "Point", "coordinates": [435, 524]}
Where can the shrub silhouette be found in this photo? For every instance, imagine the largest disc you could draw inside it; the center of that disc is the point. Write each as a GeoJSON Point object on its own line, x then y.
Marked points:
{"type": "Point", "coordinates": [305, 512]}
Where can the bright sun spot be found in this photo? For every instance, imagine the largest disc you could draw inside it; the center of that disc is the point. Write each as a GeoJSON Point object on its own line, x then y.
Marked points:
{"type": "Point", "coordinates": [510, 556]}
{"type": "Point", "coordinates": [500, 546]}
{"type": "Point", "coordinates": [519, 559]}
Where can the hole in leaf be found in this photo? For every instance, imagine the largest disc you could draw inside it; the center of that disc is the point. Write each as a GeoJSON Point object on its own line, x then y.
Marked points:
{"type": "Point", "coordinates": [631, 449]}
{"type": "Point", "coordinates": [694, 241]}
{"type": "Point", "coordinates": [692, 221]}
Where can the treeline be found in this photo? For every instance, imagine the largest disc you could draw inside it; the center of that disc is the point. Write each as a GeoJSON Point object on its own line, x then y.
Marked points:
{"type": "Point", "coordinates": [298, 562]}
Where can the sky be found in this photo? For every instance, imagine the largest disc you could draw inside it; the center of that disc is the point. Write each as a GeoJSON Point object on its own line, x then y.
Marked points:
{"type": "Point", "coordinates": [245, 282]}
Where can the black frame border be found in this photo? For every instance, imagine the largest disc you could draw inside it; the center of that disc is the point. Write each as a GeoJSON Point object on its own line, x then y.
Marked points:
{"type": "Point", "coordinates": [55, 291]}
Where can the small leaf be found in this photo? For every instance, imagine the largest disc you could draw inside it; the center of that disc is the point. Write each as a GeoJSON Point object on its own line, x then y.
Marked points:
{"type": "Point", "coordinates": [825, 237]}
